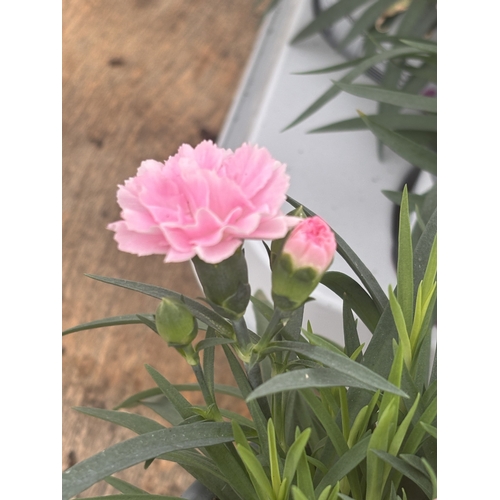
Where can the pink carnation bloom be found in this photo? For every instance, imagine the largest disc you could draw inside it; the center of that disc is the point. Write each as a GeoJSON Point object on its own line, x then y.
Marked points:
{"type": "Point", "coordinates": [311, 244]}
{"type": "Point", "coordinates": [203, 201]}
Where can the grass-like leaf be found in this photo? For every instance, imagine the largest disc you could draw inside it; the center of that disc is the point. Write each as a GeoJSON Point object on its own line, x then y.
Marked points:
{"type": "Point", "coordinates": [136, 423]}
{"type": "Point", "coordinates": [198, 310]}
{"type": "Point", "coordinates": [141, 448]}
{"type": "Point", "coordinates": [124, 487]}
{"type": "Point", "coordinates": [181, 404]}
{"type": "Point", "coordinates": [334, 90]}
{"type": "Point", "coordinates": [394, 97]}
{"type": "Point", "coordinates": [392, 122]}
{"type": "Point", "coordinates": [349, 290]}
{"type": "Point", "coordinates": [359, 375]}
{"type": "Point", "coordinates": [327, 18]}
{"type": "Point", "coordinates": [126, 319]}
{"type": "Point", "coordinates": [426, 46]}
{"type": "Point", "coordinates": [405, 262]}
{"type": "Point", "coordinates": [206, 343]}
{"type": "Point", "coordinates": [407, 470]}
{"type": "Point", "coordinates": [345, 464]}
{"type": "Point", "coordinates": [351, 337]}
{"type": "Point", "coordinates": [319, 377]}
{"type": "Point", "coordinates": [410, 151]}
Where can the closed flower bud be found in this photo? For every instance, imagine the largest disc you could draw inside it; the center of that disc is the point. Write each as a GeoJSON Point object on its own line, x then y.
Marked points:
{"type": "Point", "coordinates": [304, 257]}
{"type": "Point", "coordinates": [226, 284]}
{"type": "Point", "coordinates": [175, 323]}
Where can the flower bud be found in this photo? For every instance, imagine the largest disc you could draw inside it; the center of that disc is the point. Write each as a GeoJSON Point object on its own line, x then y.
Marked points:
{"type": "Point", "coordinates": [304, 257]}
{"type": "Point", "coordinates": [226, 284]}
{"type": "Point", "coordinates": [175, 323]}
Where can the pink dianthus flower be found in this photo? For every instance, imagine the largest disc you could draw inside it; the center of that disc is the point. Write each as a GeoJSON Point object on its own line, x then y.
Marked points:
{"type": "Point", "coordinates": [203, 201]}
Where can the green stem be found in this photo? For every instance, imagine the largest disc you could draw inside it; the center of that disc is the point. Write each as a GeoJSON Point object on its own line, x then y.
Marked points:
{"type": "Point", "coordinates": [207, 394]}
{"type": "Point", "coordinates": [274, 326]}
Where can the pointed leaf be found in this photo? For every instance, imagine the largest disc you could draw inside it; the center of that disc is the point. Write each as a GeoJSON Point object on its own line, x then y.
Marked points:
{"type": "Point", "coordinates": [354, 374]}
{"type": "Point", "coordinates": [392, 122]}
{"type": "Point", "coordinates": [394, 97]}
{"type": "Point", "coordinates": [327, 17]}
{"type": "Point", "coordinates": [349, 290]}
{"type": "Point", "coordinates": [351, 76]}
{"type": "Point", "coordinates": [410, 151]}
{"type": "Point", "coordinates": [126, 319]}
{"type": "Point", "coordinates": [201, 312]}
{"type": "Point", "coordinates": [136, 423]}
{"type": "Point", "coordinates": [407, 470]}
{"type": "Point", "coordinates": [124, 487]}
{"type": "Point", "coordinates": [345, 464]}
{"type": "Point", "coordinates": [138, 449]}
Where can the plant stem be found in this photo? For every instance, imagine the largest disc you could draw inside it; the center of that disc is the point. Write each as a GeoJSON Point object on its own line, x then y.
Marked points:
{"type": "Point", "coordinates": [207, 394]}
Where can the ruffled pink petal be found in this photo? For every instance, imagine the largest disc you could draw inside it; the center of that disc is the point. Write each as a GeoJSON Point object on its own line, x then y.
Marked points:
{"type": "Point", "coordinates": [177, 256]}
{"type": "Point", "coordinates": [138, 243]}
{"type": "Point", "coordinates": [274, 228]}
{"type": "Point", "coordinates": [219, 252]}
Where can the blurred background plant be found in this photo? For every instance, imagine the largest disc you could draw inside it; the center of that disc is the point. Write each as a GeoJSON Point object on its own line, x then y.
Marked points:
{"type": "Point", "coordinates": [394, 44]}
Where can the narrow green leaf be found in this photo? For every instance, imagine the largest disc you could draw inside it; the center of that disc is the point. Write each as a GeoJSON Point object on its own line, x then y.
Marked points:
{"type": "Point", "coordinates": [327, 17]}
{"type": "Point", "coordinates": [209, 361]}
{"type": "Point", "coordinates": [181, 404]}
{"type": "Point", "coordinates": [137, 398]}
{"type": "Point", "coordinates": [254, 408]}
{"type": "Point", "coordinates": [394, 97]}
{"type": "Point", "coordinates": [293, 456]}
{"type": "Point", "coordinates": [430, 429]}
{"type": "Point", "coordinates": [298, 495]}
{"type": "Point", "coordinates": [349, 290]}
{"type": "Point", "coordinates": [273, 457]}
{"type": "Point", "coordinates": [126, 319]}
{"type": "Point", "coordinates": [432, 474]}
{"type": "Point", "coordinates": [415, 438]}
{"type": "Point", "coordinates": [380, 438]}
{"type": "Point", "coordinates": [366, 21]}
{"type": "Point", "coordinates": [332, 429]}
{"type": "Point", "coordinates": [405, 263]}
{"type": "Point", "coordinates": [354, 262]}
{"type": "Point", "coordinates": [315, 378]}
{"type": "Point", "coordinates": [351, 337]}
{"type": "Point", "coordinates": [201, 312]}
{"type": "Point", "coordinates": [139, 449]}
{"type": "Point", "coordinates": [256, 471]}
{"type": "Point", "coordinates": [212, 342]}
{"type": "Point", "coordinates": [345, 464]}
{"type": "Point", "coordinates": [410, 151]}
{"type": "Point", "coordinates": [426, 46]}
{"type": "Point", "coordinates": [356, 375]}
{"type": "Point", "coordinates": [136, 423]}
{"type": "Point", "coordinates": [407, 470]}
{"type": "Point", "coordinates": [124, 487]}
{"type": "Point", "coordinates": [423, 250]}
{"type": "Point", "coordinates": [334, 68]}
{"type": "Point", "coordinates": [402, 429]}
{"type": "Point", "coordinates": [399, 319]}
{"type": "Point", "coordinates": [351, 76]}
{"type": "Point", "coordinates": [304, 480]}
{"type": "Point", "coordinates": [426, 122]}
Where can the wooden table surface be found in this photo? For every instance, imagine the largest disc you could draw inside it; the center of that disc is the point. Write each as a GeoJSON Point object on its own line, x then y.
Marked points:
{"type": "Point", "coordinates": [140, 77]}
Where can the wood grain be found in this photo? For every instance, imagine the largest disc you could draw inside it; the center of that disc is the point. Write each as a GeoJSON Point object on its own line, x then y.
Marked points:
{"type": "Point", "coordinates": [140, 77]}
